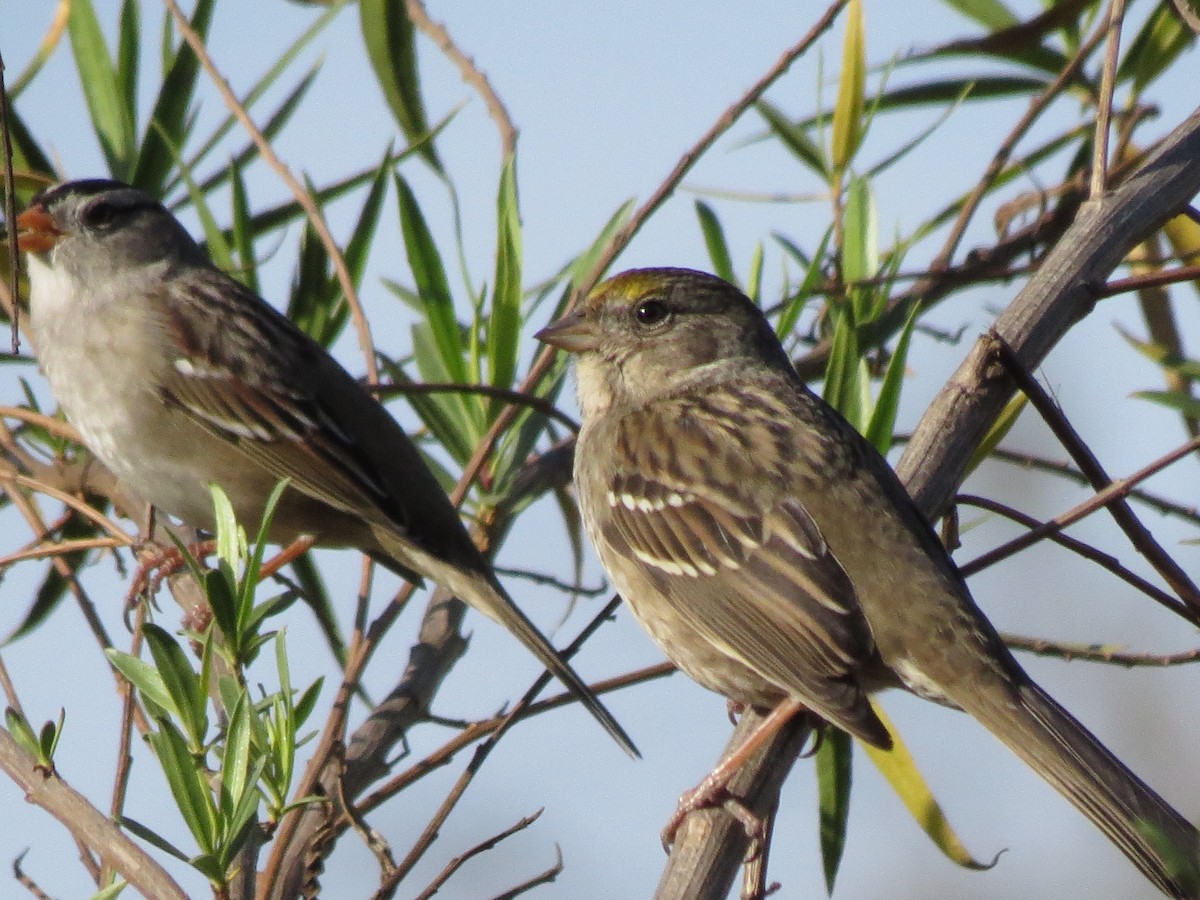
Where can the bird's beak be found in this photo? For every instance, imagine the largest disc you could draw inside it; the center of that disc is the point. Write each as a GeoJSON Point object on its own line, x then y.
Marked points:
{"type": "Point", "coordinates": [36, 231]}
{"type": "Point", "coordinates": [573, 333]}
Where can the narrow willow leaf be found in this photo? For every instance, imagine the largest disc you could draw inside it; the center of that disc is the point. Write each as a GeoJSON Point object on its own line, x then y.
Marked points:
{"type": "Point", "coordinates": [714, 240]}
{"type": "Point", "coordinates": [991, 14]}
{"type": "Point", "coordinates": [582, 265]}
{"type": "Point", "coordinates": [358, 248]}
{"type": "Point", "coordinates": [432, 284]}
{"type": "Point", "coordinates": [504, 323]}
{"type": "Point", "coordinates": [813, 276]}
{"type": "Point", "coordinates": [111, 892]}
{"type": "Point", "coordinates": [235, 756]}
{"type": "Point", "coordinates": [900, 769]}
{"type": "Point", "coordinates": [848, 111]}
{"type": "Point", "coordinates": [189, 786]}
{"type": "Point", "coordinates": [1177, 400]}
{"type": "Point", "coordinates": [145, 678]}
{"type": "Point", "coordinates": [390, 40]}
{"type": "Point", "coordinates": [1003, 424]}
{"type": "Point", "coordinates": [754, 279]}
{"type": "Point", "coordinates": [834, 777]}
{"type": "Point", "coordinates": [21, 731]}
{"type": "Point", "coordinates": [152, 838]}
{"type": "Point", "coordinates": [242, 235]}
{"type": "Point", "coordinates": [166, 132]}
{"type": "Point", "coordinates": [112, 119]}
{"type": "Point", "coordinates": [1161, 40]}
{"type": "Point", "coordinates": [443, 413]}
{"type": "Point", "coordinates": [883, 416]}
{"type": "Point", "coordinates": [794, 137]}
{"type": "Point", "coordinates": [860, 250]}
{"type": "Point", "coordinates": [187, 693]}
{"type": "Point", "coordinates": [843, 372]}
{"type": "Point", "coordinates": [129, 52]}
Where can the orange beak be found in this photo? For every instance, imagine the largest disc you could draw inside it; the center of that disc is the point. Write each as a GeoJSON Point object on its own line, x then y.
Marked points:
{"type": "Point", "coordinates": [36, 231]}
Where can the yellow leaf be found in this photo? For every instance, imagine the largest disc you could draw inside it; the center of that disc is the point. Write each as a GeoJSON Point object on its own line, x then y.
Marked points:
{"type": "Point", "coordinates": [900, 769]}
{"type": "Point", "coordinates": [848, 114]}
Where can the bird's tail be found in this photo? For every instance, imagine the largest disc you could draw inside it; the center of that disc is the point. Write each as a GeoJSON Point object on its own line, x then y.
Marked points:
{"type": "Point", "coordinates": [487, 596]}
{"type": "Point", "coordinates": [1157, 839]}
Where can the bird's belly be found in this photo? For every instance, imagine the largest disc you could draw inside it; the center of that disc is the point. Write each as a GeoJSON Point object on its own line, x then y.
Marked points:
{"type": "Point", "coordinates": [153, 449]}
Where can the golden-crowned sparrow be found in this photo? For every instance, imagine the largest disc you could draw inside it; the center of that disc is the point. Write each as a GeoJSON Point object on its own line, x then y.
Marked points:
{"type": "Point", "coordinates": [177, 377]}
{"type": "Point", "coordinates": [774, 555]}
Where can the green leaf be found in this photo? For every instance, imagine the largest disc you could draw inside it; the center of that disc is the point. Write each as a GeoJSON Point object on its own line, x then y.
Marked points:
{"type": "Point", "coordinates": [166, 132]}
{"type": "Point", "coordinates": [145, 678]}
{"type": "Point", "coordinates": [188, 781]}
{"type": "Point", "coordinates": [844, 372]}
{"type": "Point", "coordinates": [813, 277]}
{"type": "Point", "coordinates": [391, 47]}
{"type": "Point", "coordinates": [21, 731]}
{"type": "Point", "coordinates": [153, 838]}
{"type": "Point", "coordinates": [1004, 422]}
{"type": "Point", "coordinates": [714, 240]}
{"type": "Point", "coordinates": [834, 777]}
{"type": "Point", "coordinates": [112, 119]}
{"type": "Point", "coordinates": [128, 52]}
{"type": "Point", "coordinates": [111, 892]}
{"type": "Point", "coordinates": [235, 757]}
{"type": "Point", "coordinates": [432, 284]}
{"type": "Point", "coordinates": [504, 324]}
{"type": "Point", "coordinates": [188, 693]}
{"type": "Point", "coordinates": [1161, 40]}
{"type": "Point", "coordinates": [883, 417]}
{"type": "Point", "coordinates": [1178, 400]}
{"type": "Point", "coordinates": [242, 236]}
{"type": "Point", "coordinates": [860, 251]}
{"type": "Point", "coordinates": [991, 14]}
{"type": "Point", "coordinates": [794, 138]}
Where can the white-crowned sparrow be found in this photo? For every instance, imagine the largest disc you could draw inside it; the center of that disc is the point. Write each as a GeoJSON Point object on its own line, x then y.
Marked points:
{"type": "Point", "coordinates": [774, 555]}
{"type": "Point", "coordinates": [176, 376]}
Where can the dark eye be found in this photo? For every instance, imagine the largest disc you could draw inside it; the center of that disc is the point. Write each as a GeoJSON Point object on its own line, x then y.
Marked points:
{"type": "Point", "coordinates": [651, 312]}
{"type": "Point", "coordinates": [98, 214]}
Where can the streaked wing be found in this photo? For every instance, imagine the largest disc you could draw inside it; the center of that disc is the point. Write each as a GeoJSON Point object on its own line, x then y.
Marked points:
{"type": "Point", "coordinates": [228, 383]}
{"type": "Point", "coordinates": [743, 562]}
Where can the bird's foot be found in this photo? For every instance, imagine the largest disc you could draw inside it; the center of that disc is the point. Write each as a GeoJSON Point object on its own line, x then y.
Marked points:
{"type": "Point", "coordinates": [157, 563]}
{"type": "Point", "coordinates": [714, 791]}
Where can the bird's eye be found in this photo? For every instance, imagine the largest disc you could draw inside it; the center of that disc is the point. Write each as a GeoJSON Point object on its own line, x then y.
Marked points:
{"type": "Point", "coordinates": [98, 214]}
{"type": "Point", "coordinates": [651, 312]}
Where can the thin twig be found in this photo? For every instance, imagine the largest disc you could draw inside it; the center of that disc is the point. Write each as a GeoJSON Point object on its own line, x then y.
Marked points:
{"type": "Point", "coordinates": [471, 74]}
{"type": "Point", "coordinates": [311, 210]}
{"type": "Point", "coordinates": [131, 715]}
{"type": "Point", "coordinates": [544, 360]}
{"type": "Point", "coordinates": [1099, 653]}
{"type": "Point", "coordinates": [548, 876]}
{"type": "Point", "coordinates": [515, 398]}
{"type": "Point", "coordinates": [455, 864]}
{"type": "Point", "coordinates": [1088, 552]}
{"type": "Point", "coordinates": [1108, 77]}
{"type": "Point", "coordinates": [1177, 275]}
{"type": "Point", "coordinates": [1139, 536]}
{"type": "Point", "coordinates": [476, 731]}
{"type": "Point", "coordinates": [1037, 106]}
{"type": "Point", "coordinates": [1115, 491]}
{"type": "Point", "coordinates": [60, 548]}
{"type": "Point", "coordinates": [484, 750]}
{"type": "Point", "coordinates": [86, 823]}
{"type": "Point", "coordinates": [25, 880]}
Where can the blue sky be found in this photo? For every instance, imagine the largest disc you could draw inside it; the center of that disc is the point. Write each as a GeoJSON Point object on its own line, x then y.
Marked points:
{"type": "Point", "coordinates": [606, 98]}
